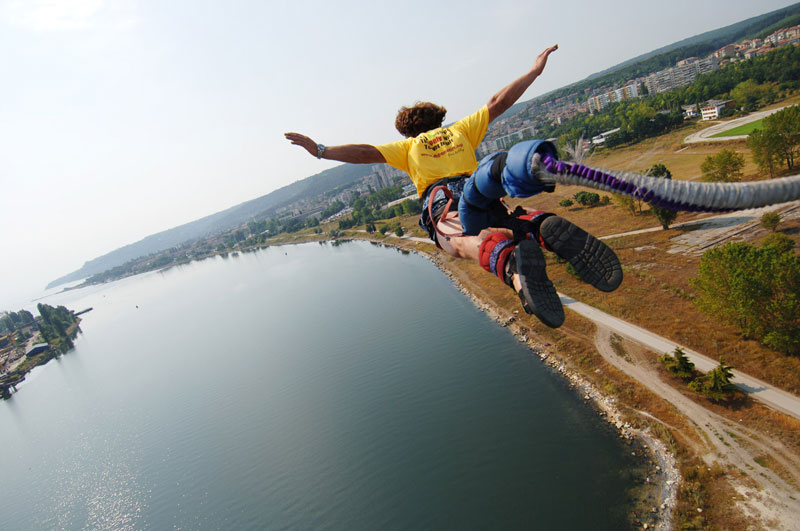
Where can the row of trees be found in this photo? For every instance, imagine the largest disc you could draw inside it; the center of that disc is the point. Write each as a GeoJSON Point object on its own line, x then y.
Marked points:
{"type": "Point", "coordinates": [365, 212]}
{"type": "Point", "coordinates": [14, 321]}
{"type": "Point", "coordinates": [54, 323]}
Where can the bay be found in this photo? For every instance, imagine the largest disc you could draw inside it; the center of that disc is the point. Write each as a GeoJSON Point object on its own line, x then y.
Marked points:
{"type": "Point", "coordinates": [302, 387]}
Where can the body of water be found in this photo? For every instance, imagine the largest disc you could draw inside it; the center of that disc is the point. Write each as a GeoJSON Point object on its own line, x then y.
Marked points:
{"type": "Point", "coordinates": [302, 387]}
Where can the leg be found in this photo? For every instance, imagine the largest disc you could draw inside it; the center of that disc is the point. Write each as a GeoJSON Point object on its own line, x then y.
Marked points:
{"type": "Point", "coordinates": [459, 246]}
{"type": "Point", "coordinates": [521, 266]}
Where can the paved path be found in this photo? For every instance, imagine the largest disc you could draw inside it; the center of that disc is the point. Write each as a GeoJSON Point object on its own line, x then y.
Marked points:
{"type": "Point", "coordinates": [706, 134]}
{"type": "Point", "coordinates": [756, 388]}
{"type": "Point", "coordinates": [738, 217]}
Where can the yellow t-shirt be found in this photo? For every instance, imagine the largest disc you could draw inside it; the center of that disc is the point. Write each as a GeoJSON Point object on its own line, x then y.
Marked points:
{"type": "Point", "coordinates": [439, 153]}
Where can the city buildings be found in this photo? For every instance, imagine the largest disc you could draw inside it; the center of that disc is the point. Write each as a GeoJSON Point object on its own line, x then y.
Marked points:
{"type": "Point", "coordinates": [598, 101]}
{"type": "Point", "coordinates": [681, 74]}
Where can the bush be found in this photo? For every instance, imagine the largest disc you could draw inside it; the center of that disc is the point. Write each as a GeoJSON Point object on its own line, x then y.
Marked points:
{"type": "Point", "coordinates": [770, 220]}
{"type": "Point", "coordinates": [587, 198]}
{"type": "Point", "coordinates": [565, 203]}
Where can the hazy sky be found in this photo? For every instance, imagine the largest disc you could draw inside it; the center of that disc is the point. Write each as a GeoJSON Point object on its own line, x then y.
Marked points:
{"type": "Point", "coordinates": [119, 119]}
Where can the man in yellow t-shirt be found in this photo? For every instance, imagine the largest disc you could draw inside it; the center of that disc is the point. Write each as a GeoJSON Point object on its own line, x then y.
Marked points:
{"type": "Point", "coordinates": [435, 155]}
{"type": "Point", "coordinates": [430, 156]}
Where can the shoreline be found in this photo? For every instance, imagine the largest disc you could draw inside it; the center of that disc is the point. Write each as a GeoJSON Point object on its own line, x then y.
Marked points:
{"type": "Point", "coordinates": [665, 471]}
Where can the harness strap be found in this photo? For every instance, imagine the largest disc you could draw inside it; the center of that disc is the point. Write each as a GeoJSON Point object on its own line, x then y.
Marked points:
{"type": "Point", "coordinates": [446, 210]}
{"type": "Point", "coordinates": [525, 225]}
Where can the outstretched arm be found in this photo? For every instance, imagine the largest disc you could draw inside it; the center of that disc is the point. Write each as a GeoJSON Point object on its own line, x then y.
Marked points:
{"type": "Point", "coordinates": [508, 96]}
{"type": "Point", "coordinates": [353, 153]}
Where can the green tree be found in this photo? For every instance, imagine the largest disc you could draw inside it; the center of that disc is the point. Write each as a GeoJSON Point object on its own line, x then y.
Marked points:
{"type": "Point", "coordinates": [665, 216]}
{"type": "Point", "coordinates": [755, 289]}
{"type": "Point", "coordinates": [8, 324]}
{"type": "Point", "coordinates": [624, 202]}
{"type": "Point", "coordinates": [679, 364]}
{"type": "Point", "coordinates": [411, 207]}
{"type": "Point", "coordinates": [747, 95]}
{"type": "Point", "coordinates": [26, 317]}
{"type": "Point", "coordinates": [399, 231]}
{"type": "Point", "coordinates": [765, 147]}
{"type": "Point", "coordinates": [770, 220]}
{"type": "Point", "coordinates": [715, 385]}
{"type": "Point", "coordinates": [565, 203]}
{"type": "Point", "coordinates": [784, 128]}
{"type": "Point", "coordinates": [725, 166]}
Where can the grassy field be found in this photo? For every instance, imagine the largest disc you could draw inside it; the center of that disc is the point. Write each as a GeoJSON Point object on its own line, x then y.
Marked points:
{"type": "Point", "coordinates": [682, 160]}
{"type": "Point", "coordinates": [745, 129]}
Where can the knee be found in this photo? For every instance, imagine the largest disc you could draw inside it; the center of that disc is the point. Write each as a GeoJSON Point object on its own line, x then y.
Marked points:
{"type": "Point", "coordinates": [517, 173]}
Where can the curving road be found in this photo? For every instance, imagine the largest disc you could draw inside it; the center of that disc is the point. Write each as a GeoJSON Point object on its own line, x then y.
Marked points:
{"type": "Point", "coordinates": [706, 134]}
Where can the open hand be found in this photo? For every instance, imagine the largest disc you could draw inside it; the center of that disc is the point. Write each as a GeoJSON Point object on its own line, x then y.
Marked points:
{"type": "Point", "coordinates": [303, 141]}
{"type": "Point", "coordinates": [541, 60]}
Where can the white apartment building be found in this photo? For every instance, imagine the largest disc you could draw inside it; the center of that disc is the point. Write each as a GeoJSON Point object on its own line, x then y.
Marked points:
{"type": "Point", "coordinates": [680, 76]}
{"type": "Point", "coordinates": [712, 108]}
{"type": "Point", "coordinates": [598, 101]}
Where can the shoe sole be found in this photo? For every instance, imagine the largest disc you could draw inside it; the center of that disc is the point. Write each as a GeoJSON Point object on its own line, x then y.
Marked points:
{"type": "Point", "coordinates": [538, 295]}
{"type": "Point", "coordinates": [593, 260]}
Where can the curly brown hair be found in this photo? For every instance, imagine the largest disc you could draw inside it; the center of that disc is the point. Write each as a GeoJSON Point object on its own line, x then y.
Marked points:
{"type": "Point", "coordinates": [423, 116]}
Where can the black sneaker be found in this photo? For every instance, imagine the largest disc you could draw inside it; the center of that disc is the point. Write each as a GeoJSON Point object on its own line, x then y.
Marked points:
{"type": "Point", "coordinates": [538, 295]}
{"type": "Point", "coordinates": [594, 261]}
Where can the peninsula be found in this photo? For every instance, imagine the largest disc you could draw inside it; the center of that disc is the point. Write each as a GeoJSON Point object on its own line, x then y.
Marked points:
{"type": "Point", "coordinates": [27, 341]}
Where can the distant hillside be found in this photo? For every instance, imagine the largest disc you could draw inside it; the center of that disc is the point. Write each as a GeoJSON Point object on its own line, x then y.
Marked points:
{"type": "Point", "coordinates": [261, 207]}
{"type": "Point", "coordinates": [697, 46]}
{"type": "Point", "coordinates": [710, 41]}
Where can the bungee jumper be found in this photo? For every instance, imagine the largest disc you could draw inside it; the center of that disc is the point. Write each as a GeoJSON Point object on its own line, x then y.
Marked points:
{"type": "Point", "coordinates": [442, 164]}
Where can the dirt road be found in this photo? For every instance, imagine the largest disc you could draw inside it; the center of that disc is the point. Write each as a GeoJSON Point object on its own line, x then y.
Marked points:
{"type": "Point", "coordinates": [771, 499]}
{"type": "Point", "coordinates": [756, 388]}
